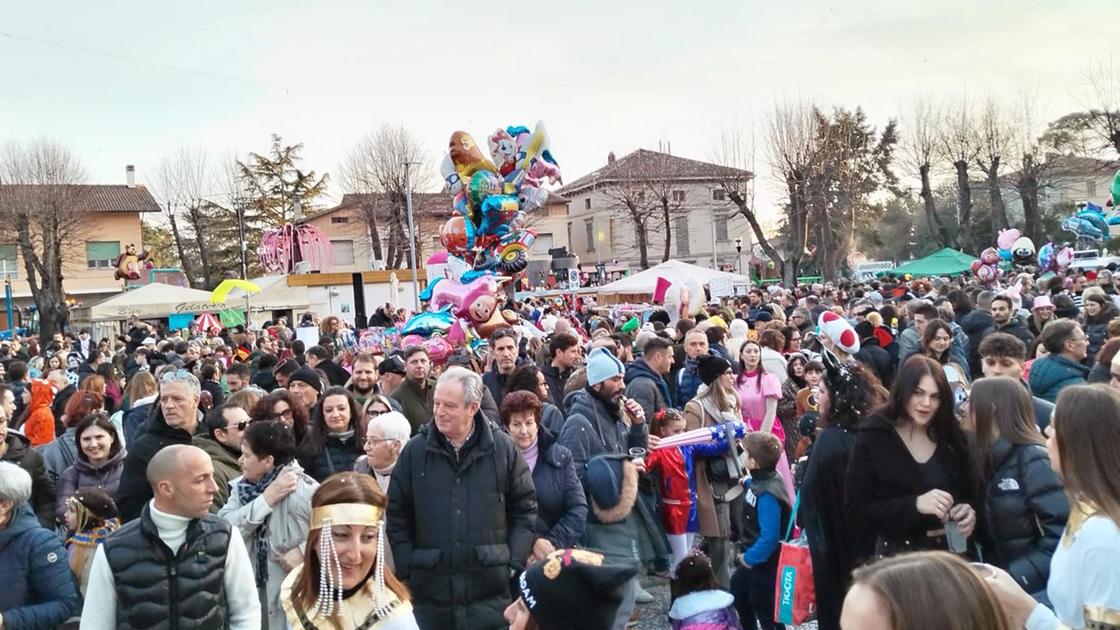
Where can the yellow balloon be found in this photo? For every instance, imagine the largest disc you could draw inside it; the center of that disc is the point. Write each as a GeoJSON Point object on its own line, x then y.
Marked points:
{"type": "Point", "coordinates": [221, 292]}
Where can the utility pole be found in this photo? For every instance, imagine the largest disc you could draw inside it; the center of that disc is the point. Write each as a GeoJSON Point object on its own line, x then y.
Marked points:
{"type": "Point", "coordinates": [239, 208]}
{"type": "Point", "coordinates": [411, 235]}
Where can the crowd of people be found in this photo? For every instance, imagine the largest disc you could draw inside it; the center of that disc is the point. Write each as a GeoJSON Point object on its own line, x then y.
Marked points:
{"type": "Point", "coordinates": [949, 452]}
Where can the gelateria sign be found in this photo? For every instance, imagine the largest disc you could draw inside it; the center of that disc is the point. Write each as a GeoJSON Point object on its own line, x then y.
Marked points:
{"type": "Point", "coordinates": [159, 310]}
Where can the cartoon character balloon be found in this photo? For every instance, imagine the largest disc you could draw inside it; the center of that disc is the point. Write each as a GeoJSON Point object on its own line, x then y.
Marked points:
{"type": "Point", "coordinates": [1022, 251]}
{"type": "Point", "coordinates": [129, 264]}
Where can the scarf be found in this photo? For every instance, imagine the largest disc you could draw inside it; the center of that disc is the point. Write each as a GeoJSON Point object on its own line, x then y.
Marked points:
{"type": "Point", "coordinates": [82, 543]}
{"type": "Point", "coordinates": [341, 436]}
{"type": "Point", "coordinates": [530, 454]}
{"type": "Point", "coordinates": [247, 491]}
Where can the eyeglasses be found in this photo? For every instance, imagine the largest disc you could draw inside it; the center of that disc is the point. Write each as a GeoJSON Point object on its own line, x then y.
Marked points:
{"type": "Point", "coordinates": [287, 413]}
{"type": "Point", "coordinates": [240, 426]}
{"type": "Point", "coordinates": [373, 413]}
{"type": "Point", "coordinates": [374, 441]}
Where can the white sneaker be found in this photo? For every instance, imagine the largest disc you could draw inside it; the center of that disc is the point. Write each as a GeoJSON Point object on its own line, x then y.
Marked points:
{"type": "Point", "coordinates": [643, 596]}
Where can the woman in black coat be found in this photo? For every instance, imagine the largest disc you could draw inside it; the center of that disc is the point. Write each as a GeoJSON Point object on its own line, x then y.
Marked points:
{"type": "Point", "coordinates": [909, 476]}
{"type": "Point", "coordinates": [1099, 310]}
{"type": "Point", "coordinates": [332, 443]}
{"type": "Point", "coordinates": [1023, 507]}
{"type": "Point", "coordinates": [561, 504]}
{"type": "Point", "coordinates": [848, 393]}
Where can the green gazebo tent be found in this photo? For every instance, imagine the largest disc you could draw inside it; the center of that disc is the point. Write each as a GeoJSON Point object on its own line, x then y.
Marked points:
{"type": "Point", "coordinates": [946, 262]}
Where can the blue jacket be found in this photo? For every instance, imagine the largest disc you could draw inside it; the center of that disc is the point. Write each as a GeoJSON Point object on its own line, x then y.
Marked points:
{"type": "Point", "coordinates": [39, 589]}
{"type": "Point", "coordinates": [1051, 374]}
{"type": "Point", "coordinates": [688, 382]}
{"type": "Point", "coordinates": [561, 504]}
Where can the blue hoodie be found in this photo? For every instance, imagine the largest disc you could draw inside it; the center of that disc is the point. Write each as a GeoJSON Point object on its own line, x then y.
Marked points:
{"type": "Point", "coordinates": [39, 589]}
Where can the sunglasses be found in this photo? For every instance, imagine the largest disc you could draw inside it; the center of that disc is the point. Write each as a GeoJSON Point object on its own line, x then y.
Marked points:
{"type": "Point", "coordinates": [240, 426]}
{"type": "Point", "coordinates": [177, 375]}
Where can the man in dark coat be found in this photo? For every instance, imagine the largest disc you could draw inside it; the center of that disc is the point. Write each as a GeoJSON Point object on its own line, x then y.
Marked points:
{"type": "Point", "coordinates": [976, 323]}
{"type": "Point", "coordinates": [461, 512]}
{"type": "Point", "coordinates": [873, 356]}
{"type": "Point", "coordinates": [503, 349]}
{"type": "Point", "coordinates": [415, 392]}
{"type": "Point", "coordinates": [175, 421]}
{"type": "Point", "coordinates": [645, 376]}
{"type": "Point", "coordinates": [564, 355]}
{"type": "Point", "coordinates": [319, 358]}
{"type": "Point", "coordinates": [1008, 322]}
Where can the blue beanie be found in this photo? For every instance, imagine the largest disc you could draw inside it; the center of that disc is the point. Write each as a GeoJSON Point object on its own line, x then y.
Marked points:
{"type": "Point", "coordinates": [601, 365]}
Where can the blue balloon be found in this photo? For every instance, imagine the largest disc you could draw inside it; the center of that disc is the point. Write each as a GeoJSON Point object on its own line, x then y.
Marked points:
{"type": "Point", "coordinates": [424, 324]}
{"type": "Point", "coordinates": [1005, 254]}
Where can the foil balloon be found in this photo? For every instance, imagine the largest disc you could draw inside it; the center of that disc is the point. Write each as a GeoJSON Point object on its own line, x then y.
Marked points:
{"type": "Point", "coordinates": [424, 324]}
{"type": "Point", "coordinates": [497, 320]}
{"type": "Point", "coordinates": [990, 256]}
{"type": "Point", "coordinates": [503, 149]}
{"type": "Point", "coordinates": [986, 273]}
{"type": "Point", "coordinates": [467, 157]}
{"type": "Point", "coordinates": [453, 236]}
{"type": "Point", "coordinates": [1063, 257]}
{"type": "Point", "coordinates": [451, 178]}
{"type": "Point", "coordinates": [483, 184]}
{"type": "Point", "coordinates": [1022, 251]}
{"type": "Point", "coordinates": [439, 349]}
{"type": "Point", "coordinates": [1046, 257]}
{"type": "Point", "coordinates": [976, 265]}
{"type": "Point", "coordinates": [1007, 238]}
{"type": "Point", "coordinates": [459, 297]}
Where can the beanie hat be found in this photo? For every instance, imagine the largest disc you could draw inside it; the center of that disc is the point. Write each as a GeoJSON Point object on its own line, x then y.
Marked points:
{"type": "Point", "coordinates": [612, 487]}
{"type": "Point", "coordinates": [660, 316]}
{"type": "Point", "coordinates": [578, 588]}
{"type": "Point", "coordinates": [839, 331]}
{"type": "Point", "coordinates": [631, 325]}
{"type": "Point", "coordinates": [865, 330]}
{"type": "Point", "coordinates": [309, 376]}
{"type": "Point", "coordinates": [601, 365]}
{"type": "Point", "coordinates": [712, 367]}
{"type": "Point", "coordinates": [763, 315]}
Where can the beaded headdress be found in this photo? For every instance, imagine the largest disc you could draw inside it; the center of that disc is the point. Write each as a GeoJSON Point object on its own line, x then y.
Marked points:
{"type": "Point", "coordinates": [330, 567]}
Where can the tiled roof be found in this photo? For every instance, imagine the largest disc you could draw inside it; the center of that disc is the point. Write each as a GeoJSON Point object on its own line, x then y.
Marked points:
{"type": "Point", "coordinates": [103, 198]}
{"type": "Point", "coordinates": [645, 164]}
{"type": "Point", "coordinates": [432, 205]}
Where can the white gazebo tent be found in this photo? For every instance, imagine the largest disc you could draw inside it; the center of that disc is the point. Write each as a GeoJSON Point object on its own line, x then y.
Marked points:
{"type": "Point", "coordinates": [639, 287]}
{"type": "Point", "coordinates": [152, 301]}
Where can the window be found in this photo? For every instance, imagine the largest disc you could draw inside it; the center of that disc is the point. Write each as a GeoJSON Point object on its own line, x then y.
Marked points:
{"type": "Point", "coordinates": [8, 262]}
{"type": "Point", "coordinates": [587, 203]}
{"type": "Point", "coordinates": [1091, 188]}
{"type": "Point", "coordinates": [719, 194]}
{"type": "Point", "coordinates": [589, 226]}
{"type": "Point", "coordinates": [721, 226]}
{"type": "Point", "coordinates": [342, 253]}
{"type": "Point", "coordinates": [340, 219]}
{"type": "Point", "coordinates": [678, 196]}
{"type": "Point", "coordinates": [682, 235]}
{"type": "Point", "coordinates": [102, 254]}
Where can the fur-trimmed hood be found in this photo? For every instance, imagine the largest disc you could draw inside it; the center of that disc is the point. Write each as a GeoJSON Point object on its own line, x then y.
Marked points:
{"type": "Point", "coordinates": [612, 486]}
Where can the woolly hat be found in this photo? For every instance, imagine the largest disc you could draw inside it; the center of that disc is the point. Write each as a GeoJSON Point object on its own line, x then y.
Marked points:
{"type": "Point", "coordinates": [578, 588]}
{"type": "Point", "coordinates": [601, 365]}
{"type": "Point", "coordinates": [839, 331]}
{"type": "Point", "coordinates": [712, 367]}
{"type": "Point", "coordinates": [309, 376]}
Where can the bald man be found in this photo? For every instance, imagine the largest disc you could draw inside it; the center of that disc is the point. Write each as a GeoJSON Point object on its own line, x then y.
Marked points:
{"type": "Point", "coordinates": [175, 562]}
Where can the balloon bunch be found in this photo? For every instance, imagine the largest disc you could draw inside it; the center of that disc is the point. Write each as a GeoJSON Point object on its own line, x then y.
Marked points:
{"type": "Point", "coordinates": [487, 240]}
{"type": "Point", "coordinates": [986, 269]}
{"type": "Point", "coordinates": [1090, 223]}
{"type": "Point", "coordinates": [1054, 259]}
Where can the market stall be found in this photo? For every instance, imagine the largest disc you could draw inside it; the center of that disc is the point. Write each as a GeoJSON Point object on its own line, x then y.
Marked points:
{"type": "Point", "coordinates": [640, 287]}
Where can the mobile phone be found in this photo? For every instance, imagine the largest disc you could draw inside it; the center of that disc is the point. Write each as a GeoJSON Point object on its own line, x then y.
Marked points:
{"type": "Point", "coordinates": [957, 542]}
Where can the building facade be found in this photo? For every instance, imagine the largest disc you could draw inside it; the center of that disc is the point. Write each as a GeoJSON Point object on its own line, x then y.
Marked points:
{"type": "Point", "coordinates": [109, 221]}
{"type": "Point", "coordinates": [703, 223]}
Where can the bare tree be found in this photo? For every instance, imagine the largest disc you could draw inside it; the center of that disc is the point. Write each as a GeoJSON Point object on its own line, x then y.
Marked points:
{"type": "Point", "coordinates": [375, 164]}
{"type": "Point", "coordinates": [627, 191]}
{"type": "Point", "coordinates": [1036, 170]}
{"type": "Point", "coordinates": [736, 151]}
{"type": "Point", "coordinates": [662, 184]}
{"type": "Point", "coordinates": [1104, 119]}
{"type": "Point", "coordinates": [993, 139]}
{"type": "Point", "coordinates": [183, 182]}
{"type": "Point", "coordinates": [919, 155]}
{"type": "Point", "coordinates": [957, 143]}
{"type": "Point", "coordinates": [41, 210]}
{"type": "Point", "coordinates": [791, 144]}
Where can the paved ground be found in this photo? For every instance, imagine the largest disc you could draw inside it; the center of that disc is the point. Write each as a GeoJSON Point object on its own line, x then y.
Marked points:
{"type": "Point", "coordinates": [655, 616]}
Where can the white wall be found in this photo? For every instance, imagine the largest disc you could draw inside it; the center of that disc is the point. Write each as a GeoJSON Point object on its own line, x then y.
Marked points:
{"type": "Point", "coordinates": [331, 300]}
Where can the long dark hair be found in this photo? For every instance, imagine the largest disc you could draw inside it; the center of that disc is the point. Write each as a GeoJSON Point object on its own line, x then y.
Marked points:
{"type": "Point", "coordinates": [1003, 404]}
{"type": "Point", "coordinates": [316, 437]}
{"type": "Point", "coordinates": [943, 427]}
{"type": "Point", "coordinates": [932, 328]}
{"type": "Point", "coordinates": [523, 378]}
{"type": "Point", "coordinates": [797, 357]}
{"type": "Point", "coordinates": [742, 377]}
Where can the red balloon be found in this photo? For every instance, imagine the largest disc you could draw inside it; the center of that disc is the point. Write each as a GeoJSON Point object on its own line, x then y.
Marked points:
{"type": "Point", "coordinates": [454, 236]}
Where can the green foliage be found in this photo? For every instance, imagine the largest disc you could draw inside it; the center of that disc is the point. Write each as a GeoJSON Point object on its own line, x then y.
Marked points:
{"type": "Point", "coordinates": [161, 244]}
{"type": "Point", "coordinates": [272, 184]}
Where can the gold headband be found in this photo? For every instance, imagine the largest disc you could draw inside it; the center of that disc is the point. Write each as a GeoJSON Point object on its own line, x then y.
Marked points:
{"type": "Point", "coordinates": [346, 514]}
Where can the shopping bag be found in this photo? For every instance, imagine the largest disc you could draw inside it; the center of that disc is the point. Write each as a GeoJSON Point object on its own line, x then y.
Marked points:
{"type": "Point", "coordinates": [795, 599]}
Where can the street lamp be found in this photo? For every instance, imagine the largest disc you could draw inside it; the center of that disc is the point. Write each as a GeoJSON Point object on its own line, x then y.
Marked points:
{"type": "Point", "coordinates": [739, 254]}
{"type": "Point", "coordinates": [411, 235]}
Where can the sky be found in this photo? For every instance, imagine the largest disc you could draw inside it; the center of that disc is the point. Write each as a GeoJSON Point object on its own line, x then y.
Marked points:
{"type": "Point", "coordinates": [129, 82]}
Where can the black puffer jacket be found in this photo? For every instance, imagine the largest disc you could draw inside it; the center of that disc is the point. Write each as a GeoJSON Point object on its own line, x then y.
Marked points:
{"type": "Point", "coordinates": [337, 455]}
{"type": "Point", "coordinates": [594, 428]}
{"type": "Point", "coordinates": [1096, 328]}
{"type": "Point", "coordinates": [134, 491]}
{"type": "Point", "coordinates": [976, 324]}
{"type": "Point", "coordinates": [1024, 512]}
{"type": "Point", "coordinates": [19, 452]}
{"type": "Point", "coordinates": [458, 522]}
